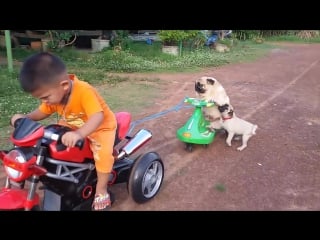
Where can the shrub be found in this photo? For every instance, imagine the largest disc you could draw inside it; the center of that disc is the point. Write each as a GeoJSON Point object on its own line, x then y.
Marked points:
{"type": "Point", "coordinates": [173, 37]}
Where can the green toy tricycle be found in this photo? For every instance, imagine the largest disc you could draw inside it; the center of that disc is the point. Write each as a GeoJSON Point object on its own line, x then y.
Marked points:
{"type": "Point", "coordinates": [195, 130]}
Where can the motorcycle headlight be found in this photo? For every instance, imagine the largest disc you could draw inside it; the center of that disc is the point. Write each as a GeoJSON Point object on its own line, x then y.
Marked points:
{"type": "Point", "coordinates": [16, 158]}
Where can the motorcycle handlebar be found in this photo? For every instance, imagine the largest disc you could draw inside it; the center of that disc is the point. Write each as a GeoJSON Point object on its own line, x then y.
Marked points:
{"type": "Point", "coordinates": [79, 144]}
{"type": "Point", "coordinates": [50, 135]}
{"type": "Point", "coordinates": [16, 122]}
{"type": "Point", "coordinates": [56, 137]}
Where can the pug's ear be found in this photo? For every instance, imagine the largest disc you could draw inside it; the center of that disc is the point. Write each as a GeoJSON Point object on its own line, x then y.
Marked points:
{"type": "Point", "coordinates": [210, 81]}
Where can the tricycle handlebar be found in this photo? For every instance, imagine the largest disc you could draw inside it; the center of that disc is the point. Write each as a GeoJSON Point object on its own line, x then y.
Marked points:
{"type": "Point", "coordinates": [198, 102]}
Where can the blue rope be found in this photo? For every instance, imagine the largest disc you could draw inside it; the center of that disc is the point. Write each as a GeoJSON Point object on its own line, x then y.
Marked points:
{"type": "Point", "coordinates": [159, 114]}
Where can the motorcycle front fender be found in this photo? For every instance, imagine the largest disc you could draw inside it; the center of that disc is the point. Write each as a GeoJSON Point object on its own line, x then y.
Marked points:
{"type": "Point", "coordinates": [12, 199]}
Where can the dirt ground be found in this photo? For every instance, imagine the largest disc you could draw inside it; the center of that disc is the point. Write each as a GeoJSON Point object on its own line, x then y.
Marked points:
{"type": "Point", "coordinates": [280, 168]}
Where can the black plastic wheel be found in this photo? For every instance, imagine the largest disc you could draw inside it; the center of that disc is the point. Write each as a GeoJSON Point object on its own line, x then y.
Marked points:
{"type": "Point", "coordinates": [189, 147]}
{"type": "Point", "coordinates": [146, 177]}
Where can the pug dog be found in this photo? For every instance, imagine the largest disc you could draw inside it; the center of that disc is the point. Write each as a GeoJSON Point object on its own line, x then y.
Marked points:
{"type": "Point", "coordinates": [211, 90]}
{"type": "Point", "coordinates": [234, 125]}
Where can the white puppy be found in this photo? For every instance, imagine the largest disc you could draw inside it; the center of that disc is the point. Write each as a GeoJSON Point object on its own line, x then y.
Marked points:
{"type": "Point", "coordinates": [211, 90]}
{"type": "Point", "coordinates": [234, 125]}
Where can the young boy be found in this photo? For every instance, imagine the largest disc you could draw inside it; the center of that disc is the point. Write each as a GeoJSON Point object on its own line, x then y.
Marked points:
{"type": "Point", "coordinates": [78, 106]}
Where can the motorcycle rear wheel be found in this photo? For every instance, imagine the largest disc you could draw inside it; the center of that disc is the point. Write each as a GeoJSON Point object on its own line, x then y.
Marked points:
{"type": "Point", "coordinates": [146, 177]}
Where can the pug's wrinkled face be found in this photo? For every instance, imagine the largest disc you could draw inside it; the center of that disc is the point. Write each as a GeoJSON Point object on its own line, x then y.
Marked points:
{"type": "Point", "coordinates": [201, 85]}
{"type": "Point", "coordinates": [226, 110]}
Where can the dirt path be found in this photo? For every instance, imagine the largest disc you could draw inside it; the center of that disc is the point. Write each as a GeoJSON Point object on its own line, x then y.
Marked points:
{"type": "Point", "coordinates": [280, 168]}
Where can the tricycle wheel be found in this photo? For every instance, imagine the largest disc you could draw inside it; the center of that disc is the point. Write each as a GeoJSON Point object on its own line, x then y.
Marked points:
{"type": "Point", "coordinates": [189, 147]}
{"type": "Point", "coordinates": [146, 177]}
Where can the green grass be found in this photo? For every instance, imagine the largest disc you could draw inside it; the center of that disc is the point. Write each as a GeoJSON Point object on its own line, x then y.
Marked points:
{"type": "Point", "coordinates": [220, 187]}
{"type": "Point", "coordinates": [132, 95]}
{"type": "Point", "coordinates": [149, 52]}
{"type": "Point", "coordinates": [129, 61]}
{"type": "Point", "coordinates": [12, 98]}
{"type": "Point", "coordinates": [141, 57]}
{"type": "Point", "coordinates": [18, 54]}
{"type": "Point", "coordinates": [292, 38]}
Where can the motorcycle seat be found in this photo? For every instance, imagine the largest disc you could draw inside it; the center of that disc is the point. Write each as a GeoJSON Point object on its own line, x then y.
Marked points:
{"type": "Point", "coordinates": [123, 124]}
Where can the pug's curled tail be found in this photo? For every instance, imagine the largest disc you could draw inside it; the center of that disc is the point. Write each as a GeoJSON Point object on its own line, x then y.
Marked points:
{"type": "Point", "coordinates": [255, 127]}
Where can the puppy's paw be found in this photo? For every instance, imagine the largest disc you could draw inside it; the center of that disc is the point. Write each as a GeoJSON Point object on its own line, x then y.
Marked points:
{"type": "Point", "coordinates": [209, 128]}
{"type": "Point", "coordinates": [229, 144]}
{"type": "Point", "coordinates": [241, 148]}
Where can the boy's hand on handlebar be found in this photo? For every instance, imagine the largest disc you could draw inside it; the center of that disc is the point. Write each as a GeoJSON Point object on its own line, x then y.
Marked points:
{"type": "Point", "coordinates": [70, 138]}
{"type": "Point", "coordinates": [15, 117]}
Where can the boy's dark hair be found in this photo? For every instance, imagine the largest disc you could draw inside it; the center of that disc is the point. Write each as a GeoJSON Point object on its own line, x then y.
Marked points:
{"type": "Point", "coordinates": [40, 69]}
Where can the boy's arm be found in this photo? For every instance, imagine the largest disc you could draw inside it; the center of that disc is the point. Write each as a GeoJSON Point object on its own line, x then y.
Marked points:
{"type": "Point", "coordinates": [70, 138]}
{"type": "Point", "coordinates": [91, 125]}
{"type": "Point", "coordinates": [94, 111]}
{"type": "Point", "coordinates": [35, 115]}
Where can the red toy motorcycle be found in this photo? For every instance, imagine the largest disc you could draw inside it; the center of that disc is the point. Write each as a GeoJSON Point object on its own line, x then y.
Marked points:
{"type": "Point", "coordinates": [68, 176]}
